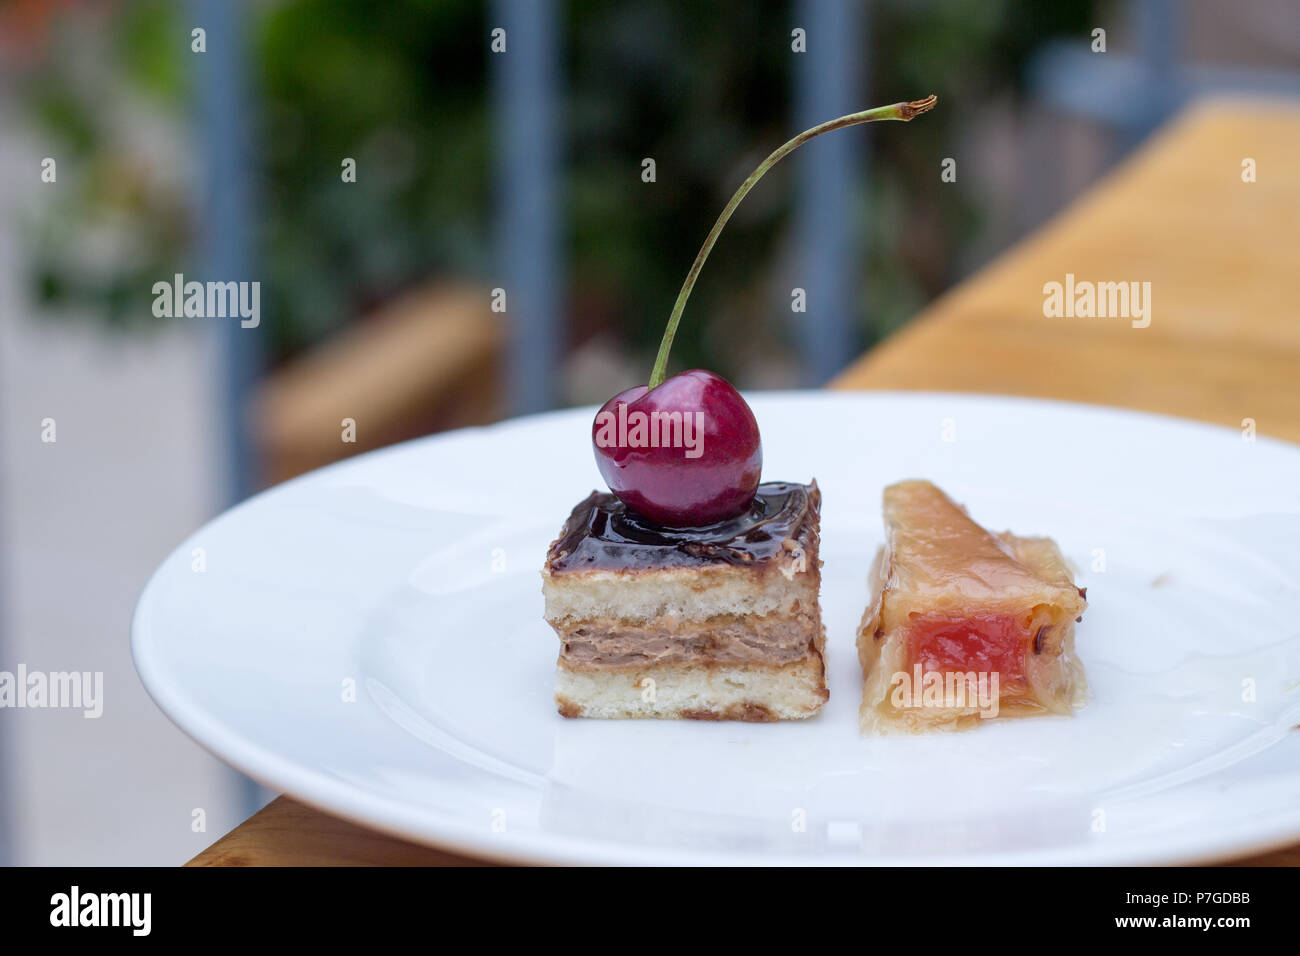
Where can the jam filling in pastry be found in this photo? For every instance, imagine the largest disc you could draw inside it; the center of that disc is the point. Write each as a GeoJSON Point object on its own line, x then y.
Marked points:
{"type": "Point", "coordinates": [964, 624]}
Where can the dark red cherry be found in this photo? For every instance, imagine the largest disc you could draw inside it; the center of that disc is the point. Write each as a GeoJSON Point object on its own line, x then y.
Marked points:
{"type": "Point", "coordinates": [684, 454]}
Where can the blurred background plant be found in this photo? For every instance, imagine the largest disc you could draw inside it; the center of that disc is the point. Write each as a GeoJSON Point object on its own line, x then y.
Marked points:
{"type": "Point", "coordinates": [704, 88]}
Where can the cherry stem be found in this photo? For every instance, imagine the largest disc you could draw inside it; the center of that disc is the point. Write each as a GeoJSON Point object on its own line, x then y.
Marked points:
{"type": "Point", "coordinates": [897, 111]}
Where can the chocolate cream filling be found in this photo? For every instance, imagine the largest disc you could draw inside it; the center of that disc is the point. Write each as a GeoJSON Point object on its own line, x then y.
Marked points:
{"type": "Point", "coordinates": [775, 640]}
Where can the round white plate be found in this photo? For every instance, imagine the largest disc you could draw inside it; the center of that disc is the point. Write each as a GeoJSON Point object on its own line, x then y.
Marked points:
{"type": "Point", "coordinates": [369, 639]}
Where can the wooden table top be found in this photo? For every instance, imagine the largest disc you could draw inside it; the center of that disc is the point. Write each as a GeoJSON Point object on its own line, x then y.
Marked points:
{"type": "Point", "coordinates": [1223, 345]}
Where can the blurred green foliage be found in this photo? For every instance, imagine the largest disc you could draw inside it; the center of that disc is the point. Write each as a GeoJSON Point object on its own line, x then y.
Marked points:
{"type": "Point", "coordinates": [403, 87]}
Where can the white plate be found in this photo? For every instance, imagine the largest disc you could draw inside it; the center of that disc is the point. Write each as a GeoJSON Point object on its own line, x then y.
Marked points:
{"type": "Point", "coordinates": [411, 574]}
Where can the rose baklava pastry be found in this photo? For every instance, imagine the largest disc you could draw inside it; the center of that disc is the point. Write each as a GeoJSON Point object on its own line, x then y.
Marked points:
{"type": "Point", "coordinates": [714, 623]}
{"type": "Point", "coordinates": [964, 624]}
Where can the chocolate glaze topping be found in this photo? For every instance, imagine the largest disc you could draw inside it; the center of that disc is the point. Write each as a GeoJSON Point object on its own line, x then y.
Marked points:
{"type": "Point", "coordinates": [603, 534]}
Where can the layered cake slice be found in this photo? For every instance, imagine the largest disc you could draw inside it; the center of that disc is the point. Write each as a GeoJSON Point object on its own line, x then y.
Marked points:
{"type": "Point", "coordinates": [714, 623]}
{"type": "Point", "coordinates": [964, 624]}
